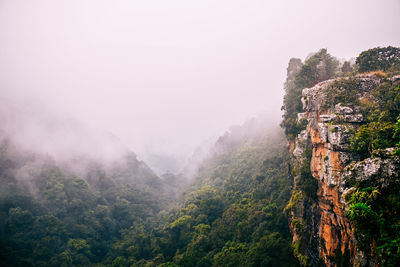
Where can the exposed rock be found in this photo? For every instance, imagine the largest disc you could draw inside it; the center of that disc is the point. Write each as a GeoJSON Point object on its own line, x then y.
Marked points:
{"type": "Point", "coordinates": [327, 232]}
{"type": "Point", "coordinates": [303, 136]}
{"type": "Point", "coordinates": [381, 170]}
{"type": "Point", "coordinates": [301, 143]}
{"type": "Point", "coordinates": [327, 117]}
{"type": "Point", "coordinates": [339, 136]}
{"type": "Point", "coordinates": [323, 131]}
{"type": "Point", "coordinates": [353, 118]}
{"type": "Point", "coordinates": [395, 80]}
{"type": "Point", "coordinates": [301, 116]}
{"type": "Point", "coordinates": [298, 152]}
{"type": "Point", "coordinates": [342, 109]}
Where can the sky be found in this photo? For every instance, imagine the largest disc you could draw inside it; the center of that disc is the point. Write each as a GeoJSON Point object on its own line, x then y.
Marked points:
{"type": "Point", "coordinates": [166, 75]}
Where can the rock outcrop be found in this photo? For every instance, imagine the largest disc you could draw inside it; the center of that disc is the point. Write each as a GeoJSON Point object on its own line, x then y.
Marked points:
{"type": "Point", "coordinates": [322, 234]}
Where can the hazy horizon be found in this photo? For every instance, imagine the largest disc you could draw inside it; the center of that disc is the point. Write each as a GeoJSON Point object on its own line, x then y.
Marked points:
{"type": "Point", "coordinates": [165, 76]}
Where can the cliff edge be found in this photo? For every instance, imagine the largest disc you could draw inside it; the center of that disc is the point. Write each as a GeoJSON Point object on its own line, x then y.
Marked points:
{"type": "Point", "coordinates": [327, 170]}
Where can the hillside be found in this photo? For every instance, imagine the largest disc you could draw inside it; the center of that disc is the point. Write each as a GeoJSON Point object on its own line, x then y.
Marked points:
{"type": "Point", "coordinates": [233, 214]}
{"type": "Point", "coordinates": [67, 201]}
{"type": "Point", "coordinates": [82, 211]}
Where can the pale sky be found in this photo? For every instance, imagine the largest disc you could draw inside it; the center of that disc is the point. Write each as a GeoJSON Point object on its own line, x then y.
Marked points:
{"type": "Point", "coordinates": [168, 74]}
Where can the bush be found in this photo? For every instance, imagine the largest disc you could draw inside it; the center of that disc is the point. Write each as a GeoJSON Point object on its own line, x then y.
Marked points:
{"type": "Point", "coordinates": [371, 136]}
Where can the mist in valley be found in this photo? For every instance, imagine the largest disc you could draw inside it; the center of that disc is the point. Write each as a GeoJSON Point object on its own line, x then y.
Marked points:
{"type": "Point", "coordinates": [166, 76]}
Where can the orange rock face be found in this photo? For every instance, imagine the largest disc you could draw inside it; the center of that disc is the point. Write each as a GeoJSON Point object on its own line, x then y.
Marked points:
{"type": "Point", "coordinates": [325, 234]}
{"type": "Point", "coordinates": [335, 229]}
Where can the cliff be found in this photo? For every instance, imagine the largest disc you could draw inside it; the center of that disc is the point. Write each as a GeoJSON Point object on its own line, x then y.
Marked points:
{"type": "Point", "coordinates": [327, 170]}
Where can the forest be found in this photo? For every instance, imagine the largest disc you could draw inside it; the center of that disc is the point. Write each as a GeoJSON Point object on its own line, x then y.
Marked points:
{"type": "Point", "coordinates": [233, 212]}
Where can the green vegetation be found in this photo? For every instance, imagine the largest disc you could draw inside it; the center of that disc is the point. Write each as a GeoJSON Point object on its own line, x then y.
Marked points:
{"type": "Point", "coordinates": [374, 210]}
{"type": "Point", "coordinates": [319, 67]}
{"type": "Point", "coordinates": [381, 126]}
{"type": "Point", "coordinates": [343, 91]}
{"type": "Point", "coordinates": [397, 136]}
{"type": "Point", "coordinates": [233, 215]}
{"type": "Point", "coordinates": [57, 219]}
{"type": "Point", "coordinates": [295, 199]}
{"type": "Point", "coordinates": [305, 181]}
{"type": "Point", "coordinates": [380, 111]}
{"type": "Point", "coordinates": [372, 136]}
{"type": "Point", "coordinates": [376, 214]}
{"type": "Point", "coordinates": [379, 58]}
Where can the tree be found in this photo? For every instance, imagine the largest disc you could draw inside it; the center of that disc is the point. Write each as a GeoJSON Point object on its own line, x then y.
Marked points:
{"type": "Point", "coordinates": [319, 67]}
{"type": "Point", "coordinates": [346, 67]}
{"type": "Point", "coordinates": [379, 58]}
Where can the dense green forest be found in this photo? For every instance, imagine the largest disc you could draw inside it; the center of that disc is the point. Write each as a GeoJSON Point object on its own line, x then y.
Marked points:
{"type": "Point", "coordinates": [55, 218]}
{"type": "Point", "coordinates": [231, 214]}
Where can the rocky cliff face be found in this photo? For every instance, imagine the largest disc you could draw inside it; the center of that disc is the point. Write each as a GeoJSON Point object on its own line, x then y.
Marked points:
{"type": "Point", "coordinates": [380, 171]}
{"type": "Point", "coordinates": [322, 233]}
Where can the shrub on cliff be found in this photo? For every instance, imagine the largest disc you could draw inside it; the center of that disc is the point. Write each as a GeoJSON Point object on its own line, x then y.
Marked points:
{"type": "Point", "coordinates": [375, 214]}
{"type": "Point", "coordinates": [381, 114]}
{"type": "Point", "coordinates": [371, 136]}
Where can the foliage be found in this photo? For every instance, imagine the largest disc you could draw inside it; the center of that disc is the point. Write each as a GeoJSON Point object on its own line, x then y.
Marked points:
{"type": "Point", "coordinates": [376, 215]}
{"type": "Point", "coordinates": [58, 219]}
{"type": "Point", "coordinates": [379, 58]}
{"type": "Point", "coordinates": [374, 210]}
{"type": "Point", "coordinates": [371, 136]}
{"type": "Point", "coordinates": [397, 137]}
{"type": "Point", "coordinates": [231, 216]}
{"type": "Point", "coordinates": [319, 67]}
{"type": "Point", "coordinates": [343, 91]}
{"type": "Point", "coordinates": [346, 67]}
{"type": "Point", "coordinates": [307, 184]}
{"type": "Point", "coordinates": [381, 114]}
{"type": "Point", "coordinates": [295, 199]}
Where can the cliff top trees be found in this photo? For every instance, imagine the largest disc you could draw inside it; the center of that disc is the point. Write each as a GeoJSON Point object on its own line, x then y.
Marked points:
{"type": "Point", "coordinates": [319, 67]}
{"type": "Point", "coordinates": [379, 58]}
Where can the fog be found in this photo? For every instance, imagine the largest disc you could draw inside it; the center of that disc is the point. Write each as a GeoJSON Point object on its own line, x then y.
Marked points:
{"type": "Point", "coordinates": [166, 76]}
{"type": "Point", "coordinates": [31, 126]}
